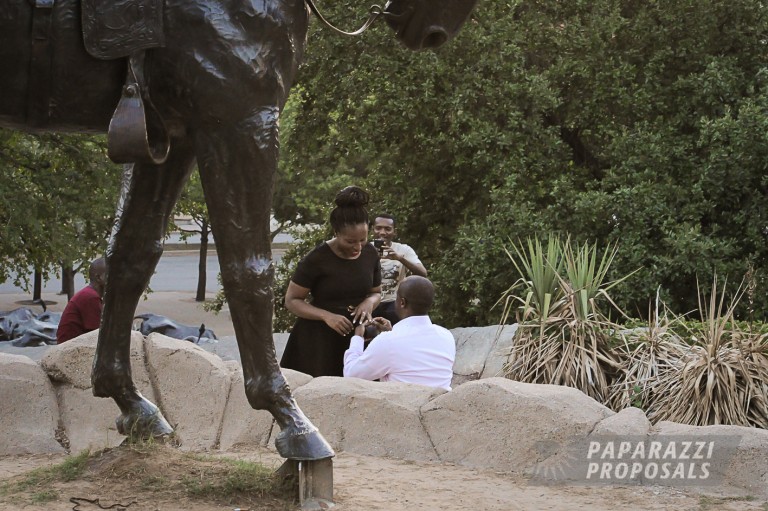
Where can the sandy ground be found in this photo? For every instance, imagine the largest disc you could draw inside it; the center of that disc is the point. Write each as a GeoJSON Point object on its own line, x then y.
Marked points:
{"type": "Point", "coordinates": [369, 483]}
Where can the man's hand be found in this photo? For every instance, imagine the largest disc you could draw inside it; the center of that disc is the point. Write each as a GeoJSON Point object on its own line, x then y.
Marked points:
{"type": "Point", "coordinates": [388, 253]}
{"type": "Point", "coordinates": [382, 324]}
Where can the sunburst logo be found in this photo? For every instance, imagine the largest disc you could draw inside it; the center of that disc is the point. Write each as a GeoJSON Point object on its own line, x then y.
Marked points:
{"type": "Point", "coordinates": [556, 463]}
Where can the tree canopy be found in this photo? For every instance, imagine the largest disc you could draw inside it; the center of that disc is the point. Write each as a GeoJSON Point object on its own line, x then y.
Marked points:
{"type": "Point", "coordinates": [635, 122]}
{"type": "Point", "coordinates": [57, 202]}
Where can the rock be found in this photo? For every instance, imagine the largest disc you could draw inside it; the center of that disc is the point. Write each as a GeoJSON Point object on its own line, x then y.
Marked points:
{"type": "Point", "coordinates": [193, 398]}
{"type": "Point", "coordinates": [72, 362]}
{"type": "Point", "coordinates": [370, 418]}
{"type": "Point", "coordinates": [740, 455]}
{"type": "Point", "coordinates": [507, 425]}
{"type": "Point", "coordinates": [481, 352]}
{"type": "Point", "coordinates": [89, 421]}
{"type": "Point", "coordinates": [629, 421]}
{"type": "Point", "coordinates": [244, 426]}
{"type": "Point", "coordinates": [30, 412]}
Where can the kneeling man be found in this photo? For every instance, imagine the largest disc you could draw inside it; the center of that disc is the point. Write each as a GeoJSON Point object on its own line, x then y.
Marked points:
{"type": "Point", "coordinates": [413, 351]}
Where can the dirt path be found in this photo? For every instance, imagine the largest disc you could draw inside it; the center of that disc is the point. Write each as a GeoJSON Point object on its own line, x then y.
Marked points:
{"type": "Point", "coordinates": [363, 483]}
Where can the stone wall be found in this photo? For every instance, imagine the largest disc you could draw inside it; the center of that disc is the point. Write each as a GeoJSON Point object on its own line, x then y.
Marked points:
{"type": "Point", "coordinates": [486, 422]}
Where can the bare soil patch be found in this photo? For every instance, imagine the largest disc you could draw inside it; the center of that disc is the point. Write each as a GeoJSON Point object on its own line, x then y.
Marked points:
{"type": "Point", "coordinates": [143, 478]}
{"type": "Point", "coordinates": [163, 478]}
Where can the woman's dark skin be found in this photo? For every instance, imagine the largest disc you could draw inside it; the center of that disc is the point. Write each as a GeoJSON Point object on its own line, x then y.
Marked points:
{"type": "Point", "coordinates": [347, 244]}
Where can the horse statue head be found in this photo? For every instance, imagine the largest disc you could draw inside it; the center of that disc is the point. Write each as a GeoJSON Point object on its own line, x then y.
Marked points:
{"type": "Point", "coordinates": [424, 24]}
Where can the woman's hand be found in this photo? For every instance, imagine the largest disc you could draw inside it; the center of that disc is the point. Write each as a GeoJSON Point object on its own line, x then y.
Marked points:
{"type": "Point", "coordinates": [340, 324]}
{"type": "Point", "coordinates": [362, 313]}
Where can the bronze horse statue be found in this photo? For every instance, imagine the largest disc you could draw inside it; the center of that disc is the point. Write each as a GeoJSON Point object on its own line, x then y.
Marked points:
{"type": "Point", "coordinates": [219, 73]}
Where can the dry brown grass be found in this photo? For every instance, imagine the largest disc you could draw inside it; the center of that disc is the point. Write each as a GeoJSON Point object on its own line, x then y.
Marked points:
{"type": "Point", "coordinates": [646, 353]}
{"type": "Point", "coordinates": [721, 376]}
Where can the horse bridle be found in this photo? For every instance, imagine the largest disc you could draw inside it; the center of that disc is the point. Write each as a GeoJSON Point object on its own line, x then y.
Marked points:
{"type": "Point", "coordinates": [373, 13]}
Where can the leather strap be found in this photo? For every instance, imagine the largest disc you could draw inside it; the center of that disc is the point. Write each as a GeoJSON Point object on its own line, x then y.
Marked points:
{"type": "Point", "coordinates": [40, 66]}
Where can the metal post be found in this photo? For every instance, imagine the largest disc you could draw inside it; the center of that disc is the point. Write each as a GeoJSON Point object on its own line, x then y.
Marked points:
{"type": "Point", "coordinates": [315, 482]}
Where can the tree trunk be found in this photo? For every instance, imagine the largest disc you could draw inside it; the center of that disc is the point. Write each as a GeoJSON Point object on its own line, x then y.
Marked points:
{"type": "Point", "coordinates": [37, 290]}
{"type": "Point", "coordinates": [203, 263]}
{"type": "Point", "coordinates": [67, 281]}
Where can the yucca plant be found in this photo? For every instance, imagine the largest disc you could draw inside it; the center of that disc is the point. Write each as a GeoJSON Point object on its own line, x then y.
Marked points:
{"type": "Point", "coordinates": [646, 353]}
{"type": "Point", "coordinates": [755, 349]}
{"type": "Point", "coordinates": [721, 379]}
{"type": "Point", "coordinates": [587, 278]}
{"type": "Point", "coordinates": [563, 338]}
{"type": "Point", "coordinates": [539, 277]}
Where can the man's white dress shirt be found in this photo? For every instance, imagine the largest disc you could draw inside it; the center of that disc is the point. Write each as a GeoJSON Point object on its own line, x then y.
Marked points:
{"type": "Point", "coordinates": [415, 351]}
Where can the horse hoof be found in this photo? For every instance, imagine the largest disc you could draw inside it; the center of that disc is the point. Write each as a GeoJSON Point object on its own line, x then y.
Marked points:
{"type": "Point", "coordinates": [143, 422]}
{"type": "Point", "coordinates": [303, 445]}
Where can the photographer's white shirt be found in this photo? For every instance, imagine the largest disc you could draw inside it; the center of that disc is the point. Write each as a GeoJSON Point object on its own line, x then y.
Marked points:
{"type": "Point", "coordinates": [415, 351]}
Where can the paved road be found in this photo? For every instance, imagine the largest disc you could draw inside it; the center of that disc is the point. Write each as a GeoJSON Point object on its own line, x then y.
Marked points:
{"type": "Point", "coordinates": [176, 271]}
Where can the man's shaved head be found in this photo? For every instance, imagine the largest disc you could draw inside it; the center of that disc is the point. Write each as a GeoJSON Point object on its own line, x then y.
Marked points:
{"type": "Point", "coordinates": [419, 293]}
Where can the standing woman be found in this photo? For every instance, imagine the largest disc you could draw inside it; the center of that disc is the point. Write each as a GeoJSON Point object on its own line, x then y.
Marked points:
{"type": "Point", "coordinates": [343, 276]}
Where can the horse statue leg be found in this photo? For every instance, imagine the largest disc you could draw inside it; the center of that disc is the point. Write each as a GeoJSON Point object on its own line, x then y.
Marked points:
{"type": "Point", "coordinates": [148, 195]}
{"type": "Point", "coordinates": [237, 165]}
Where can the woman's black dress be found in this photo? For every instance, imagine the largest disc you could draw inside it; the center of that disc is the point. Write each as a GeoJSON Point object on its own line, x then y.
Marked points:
{"type": "Point", "coordinates": [335, 284]}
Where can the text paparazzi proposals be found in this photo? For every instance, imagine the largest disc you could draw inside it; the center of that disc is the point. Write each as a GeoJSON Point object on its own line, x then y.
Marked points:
{"type": "Point", "coordinates": [665, 460]}
{"type": "Point", "coordinates": [650, 459]}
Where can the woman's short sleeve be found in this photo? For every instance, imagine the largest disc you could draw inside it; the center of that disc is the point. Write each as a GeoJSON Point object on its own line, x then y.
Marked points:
{"type": "Point", "coordinates": [306, 272]}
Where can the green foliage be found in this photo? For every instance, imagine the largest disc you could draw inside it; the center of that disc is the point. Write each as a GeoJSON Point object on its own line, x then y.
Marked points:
{"type": "Point", "coordinates": [586, 277]}
{"type": "Point", "coordinates": [57, 201]}
{"type": "Point", "coordinates": [715, 374]}
{"type": "Point", "coordinates": [721, 377]}
{"type": "Point", "coordinates": [539, 271]}
{"type": "Point", "coordinates": [649, 349]}
{"type": "Point", "coordinates": [636, 124]}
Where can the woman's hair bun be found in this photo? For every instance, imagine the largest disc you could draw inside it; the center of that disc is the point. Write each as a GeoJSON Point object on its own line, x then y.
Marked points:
{"type": "Point", "coordinates": [352, 196]}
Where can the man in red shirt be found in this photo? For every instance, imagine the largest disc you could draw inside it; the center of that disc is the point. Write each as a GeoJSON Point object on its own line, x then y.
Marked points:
{"type": "Point", "coordinates": [83, 312]}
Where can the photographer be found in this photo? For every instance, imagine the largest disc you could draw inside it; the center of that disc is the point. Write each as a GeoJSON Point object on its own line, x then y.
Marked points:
{"type": "Point", "coordinates": [396, 260]}
{"type": "Point", "coordinates": [413, 351]}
